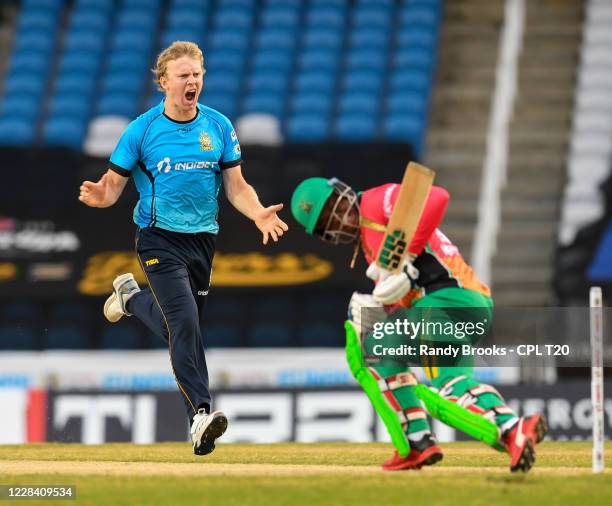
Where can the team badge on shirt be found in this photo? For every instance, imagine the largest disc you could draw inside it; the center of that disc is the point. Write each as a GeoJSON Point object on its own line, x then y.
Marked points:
{"type": "Point", "coordinates": [205, 142]}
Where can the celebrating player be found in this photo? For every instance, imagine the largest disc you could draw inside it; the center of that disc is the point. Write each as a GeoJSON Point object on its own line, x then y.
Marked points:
{"type": "Point", "coordinates": [179, 153]}
{"type": "Point", "coordinates": [434, 279]}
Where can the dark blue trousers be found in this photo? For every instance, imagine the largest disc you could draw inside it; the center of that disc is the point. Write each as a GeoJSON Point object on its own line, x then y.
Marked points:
{"type": "Point", "coordinates": [178, 268]}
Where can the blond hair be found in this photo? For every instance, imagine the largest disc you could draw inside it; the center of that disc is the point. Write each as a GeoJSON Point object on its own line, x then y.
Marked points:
{"type": "Point", "coordinates": [173, 52]}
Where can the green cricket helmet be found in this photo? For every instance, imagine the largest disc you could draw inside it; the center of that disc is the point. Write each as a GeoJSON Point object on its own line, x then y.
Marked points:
{"type": "Point", "coordinates": [310, 198]}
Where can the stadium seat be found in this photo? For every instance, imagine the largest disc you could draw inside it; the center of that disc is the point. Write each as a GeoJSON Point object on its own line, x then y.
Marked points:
{"type": "Point", "coordinates": [40, 21]}
{"type": "Point", "coordinates": [229, 40]}
{"type": "Point", "coordinates": [419, 15]}
{"type": "Point", "coordinates": [144, 5]}
{"type": "Point", "coordinates": [228, 19]}
{"type": "Point", "coordinates": [371, 59]}
{"type": "Point", "coordinates": [307, 128]}
{"type": "Point", "coordinates": [187, 19]}
{"type": "Point", "coordinates": [120, 104]}
{"type": "Point", "coordinates": [272, 59]}
{"type": "Point", "coordinates": [281, 17]}
{"type": "Point", "coordinates": [311, 102]}
{"type": "Point", "coordinates": [222, 82]}
{"type": "Point", "coordinates": [328, 17]}
{"type": "Point", "coordinates": [190, 4]}
{"type": "Point", "coordinates": [16, 131]}
{"type": "Point", "coordinates": [319, 81]}
{"type": "Point", "coordinates": [417, 37]}
{"type": "Point", "coordinates": [84, 40]}
{"type": "Point", "coordinates": [136, 19]}
{"type": "Point", "coordinates": [268, 81]}
{"type": "Point", "coordinates": [413, 58]}
{"type": "Point", "coordinates": [329, 3]}
{"type": "Point", "coordinates": [323, 39]}
{"type": "Point", "coordinates": [118, 82]}
{"type": "Point", "coordinates": [353, 127]}
{"type": "Point", "coordinates": [95, 5]}
{"type": "Point", "coordinates": [269, 334]}
{"type": "Point", "coordinates": [66, 337]}
{"type": "Point", "coordinates": [132, 41]}
{"type": "Point", "coordinates": [66, 131]}
{"type": "Point", "coordinates": [410, 80]}
{"type": "Point", "coordinates": [78, 61]}
{"type": "Point", "coordinates": [82, 83]}
{"type": "Point", "coordinates": [266, 102]}
{"type": "Point", "coordinates": [90, 20]}
{"type": "Point", "coordinates": [127, 61]}
{"type": "Point", "coordinates": [192, 34]}
{"type": "Point", "coordinates": [34, 41]}
{"type": "Point", "coordinates": [221, 335]}
{"type": "Point", "coordinates": [363, 81]}
{"type": "Point", "coordinates": [40, 5]}
{"type": "Point", "coordinates": [406, 101]}
{"type": "Point", "coordinates": [224, 61]}
{"type": "Point", "coordinates": [366, 38]}
{"type": "Point", "coordinates": [372, 17]}
{"type": "Point", "coordinates": [22, 106]}
{"type": "Point", "coordinates": [17, 338]}
{"type": "Point", "coordinates": [275, 39]}
{"type": "Point", "coordinates": [77, 106]}
{"type": "Point", "coordinates": [23, 83]}
{"type": "Point", "coordinates": [359, 102]}
{"type": "Point", "coordinates": [29, 61]}
{"type": "Point", "coordinates": [405, 127]}
{"type": "Point", "coordinates": [315, 59]}
{"type": "Point", "coordinates": [225, 103]}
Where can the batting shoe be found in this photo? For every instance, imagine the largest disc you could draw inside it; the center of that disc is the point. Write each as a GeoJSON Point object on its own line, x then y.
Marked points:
{"type": "Point", "coordinates": [520, 441]}
{"type": "Point", "coordinates": [424, 452]}
{"type": "Point", "coordinates": [205, 429]}
{"type": "Point", "coordinates": [124, 287]}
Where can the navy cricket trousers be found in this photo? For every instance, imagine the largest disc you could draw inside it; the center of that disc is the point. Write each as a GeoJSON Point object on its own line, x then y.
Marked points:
{"type": "Point", "coordinates": [178, 268]}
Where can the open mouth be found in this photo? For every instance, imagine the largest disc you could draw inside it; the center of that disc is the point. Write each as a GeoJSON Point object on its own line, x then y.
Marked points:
{"type": "Point", "coordinates": [190, 95]}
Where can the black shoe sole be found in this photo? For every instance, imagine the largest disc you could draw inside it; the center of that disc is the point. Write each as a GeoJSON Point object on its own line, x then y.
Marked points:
{"type": "Point", "coordinates": [434, 458]}
{"type": "Point", "coordinates": [527, 459]}
{"type": "Point", "coordinates": [541, 429]}
{"type": "Point", "coordinates": [215, 430]}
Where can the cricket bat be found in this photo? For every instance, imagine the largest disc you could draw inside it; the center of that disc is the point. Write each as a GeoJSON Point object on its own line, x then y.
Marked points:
{"type": "Point", "coordinates": [402, 225]}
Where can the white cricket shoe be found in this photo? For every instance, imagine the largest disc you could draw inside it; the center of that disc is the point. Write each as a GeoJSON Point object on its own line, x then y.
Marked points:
{"type": "Point", "coordinates": [205, 429]}
{"type": "Point", "coordinates": [124, 287]}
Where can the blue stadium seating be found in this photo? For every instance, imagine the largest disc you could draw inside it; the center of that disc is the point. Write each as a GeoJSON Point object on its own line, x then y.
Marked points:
{"type": "Point", "coordinates": [225, 103]}
{"type": "Point", "coordinates": [413, 58]}
{"type": "Point", "coordinates": [221, 60]}
{"type": "Point", "coordinates": [319, 81]}
{"type": "Point", "coordinates": [229, 19]}
{"type": "Point", "coordinates": [308, 102]}
{"type": "Point", "coordinates": [275, 39]}
{"type": "Point", "coordinates": [84, 40]}
{"type": "Point", "coordinates": [332, 18]}
{"type": "Point", "coordinates": [372, 16]}
{"type": "Point", "coordinates": [90, 20]}
{"type": "Point", "coordinates": [29, 61]}
{"type": "Point", "coordinates": [121, 104]}
{"type": "Point", "coordinates": [322, 39]}
{"type": "Point", "coordinates": [118, 82]}
{"type": "Point", "coordinates": [17, 338]}
{"type": "Point", "coordinates": [77, 106]}
{"type": "Point", "coordinates": [16, 131]}
{"type": "Point", "coordinates": [78, 61]}
{"type": "Point", "coordinates": [410, 79]}
{"type": "Point", "coordinates": [359, 102]}
{"type": "Point", "coordinates": [40, 21]}
{"type": "Point", "coordinates": [22, 82]}
{"type": "Point", "coordinates": [366, 59]}
{"type": "Point", "coordinates": [264, 102]}
{"type": "Point", "coordinates": [34, 41]}
{"type": "Point", "coordinates": [22, 106]}
{"type": "Point", "coordinates": [268, 81]}
{"type": "Point", "coordinates": [187, 19]}
{"type": "Point", "coordinates": [307, 127]}
{"type": "Point", "coordinates": [361, 80]}
{"type": "Point", "coordinates": [136, 19]}
{"type": "Point", "coordinates": [272, 59]}
{"type": "Point", "coordinates": [366, 38]}
{"type": "Point", "coordinates": [47, 5]}
{"type": "Point", "coordinates": [222, 82]}
{"type": "Point", "coordinates": [354, 127]}
{"type": "Point", "coordinates": [64, 130]}
{"type": "Point", "coordinates": [315, 59]}
{"type": "Point", "coordinates": [282, 17]}
{"type": "Point", "coordinates": [229, 40]}
{"type": "Point", "coordinates": [406, 101]}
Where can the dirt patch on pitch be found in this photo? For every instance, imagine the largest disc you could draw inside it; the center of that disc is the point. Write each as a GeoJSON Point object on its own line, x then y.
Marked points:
{"type": "Point", "coordinates": [13, 467]}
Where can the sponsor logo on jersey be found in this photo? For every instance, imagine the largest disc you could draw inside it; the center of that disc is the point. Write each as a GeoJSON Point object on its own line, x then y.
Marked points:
{"type": "Point", "coordinates": [165, 165]}
{"type": "Point", "coordinates": [151, 262]}
{"type": "Point", "coordinates": [233, 135]}
{"type": "Point", "coordinates": [237, 149]}
{"type": "Point", "coordinates": [205, 142]}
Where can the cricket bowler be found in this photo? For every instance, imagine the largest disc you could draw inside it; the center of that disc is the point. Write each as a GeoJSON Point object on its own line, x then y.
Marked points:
{"type": "Point", "coordinates": [434, 278]}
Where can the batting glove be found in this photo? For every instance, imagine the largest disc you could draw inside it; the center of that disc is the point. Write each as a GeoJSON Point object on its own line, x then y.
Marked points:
{"type": "Point", "coordinates": [364, 312]}
{"type": "Point", "coordinates": [392, 287]}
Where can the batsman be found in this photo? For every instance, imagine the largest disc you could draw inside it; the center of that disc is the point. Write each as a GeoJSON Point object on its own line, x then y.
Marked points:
{"type": "Point", "coordinates": [432, 281]}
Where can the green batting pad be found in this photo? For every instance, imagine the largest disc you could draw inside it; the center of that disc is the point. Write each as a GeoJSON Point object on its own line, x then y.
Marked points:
{"type": "Point", "coordinates": [456, 416]}
{"type": "Point", "coordinates": [370, 387]}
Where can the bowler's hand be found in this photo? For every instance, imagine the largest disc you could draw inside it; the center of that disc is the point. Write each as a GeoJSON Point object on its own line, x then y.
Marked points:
{"type": "Point", "coordinates": [105, 192]}
{"type": "Point", "coordinates": [270, 224]}
{"type": "Point", "coordinates": [94, 194]}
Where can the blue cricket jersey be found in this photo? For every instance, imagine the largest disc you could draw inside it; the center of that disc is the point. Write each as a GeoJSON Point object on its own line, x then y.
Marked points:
{"type": "Point", "coordinates": [176, 166]}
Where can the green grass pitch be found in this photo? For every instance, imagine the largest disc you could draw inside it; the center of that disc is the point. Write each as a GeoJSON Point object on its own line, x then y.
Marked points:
{"type": "Point", "coordinates": [304, 474]}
